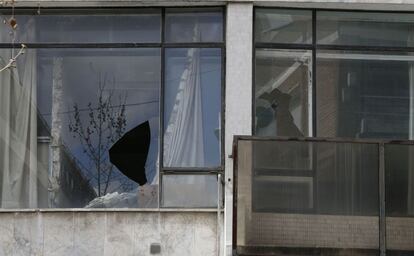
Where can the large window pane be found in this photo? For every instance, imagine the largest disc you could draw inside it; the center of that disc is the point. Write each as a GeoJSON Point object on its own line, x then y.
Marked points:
{"type": "Point", "coordinates": [399, 189]}
{"type": "Point", "coordinates": [192, 107]}
{"type": "Point", "coordinates": [189, 191]}
{"type": "Point", "coordinates": [283, 93]}
{"type": "Point", "coordinates": [283, 26]}
{"type": "Point", "coordinates": [323, 178]}
{"type": "Point", "coordinates": [193, 25]}
{"type": "Point", "coordinates": [365, 95]}
{"type": "Point", "coordinates": [143, 27]}
{"type": "Point", "coordinates": [365, 28]}
{"type": "Point", "coordinates": [88, 100]}
{"type": "Point", "coordinates": [327, 191]}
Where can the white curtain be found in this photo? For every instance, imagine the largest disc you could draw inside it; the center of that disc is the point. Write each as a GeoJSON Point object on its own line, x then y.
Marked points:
{"type": "Point", "coordinates": [183, 138]}
{"type": "Point", "coordinates": [18, 128]}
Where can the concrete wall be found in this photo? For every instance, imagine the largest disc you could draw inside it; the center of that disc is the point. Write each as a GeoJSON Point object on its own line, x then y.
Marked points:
{"type": "Point", "coordinates": [107, 233]}
{"type": "Point", "coordinates": [239, 56]}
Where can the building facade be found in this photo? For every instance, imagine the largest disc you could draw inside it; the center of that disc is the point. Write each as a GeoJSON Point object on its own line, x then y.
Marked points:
{"type": "Point", "coordinates": [206, 127]}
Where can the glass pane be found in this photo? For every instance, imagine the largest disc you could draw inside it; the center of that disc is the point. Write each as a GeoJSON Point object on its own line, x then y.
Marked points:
{"type": "Point", "coordinates": [193, 25]}
{"type": "Point", "coordinates": [365, 28]}
{"type": "Point", "coordinates": [189, 191]}
{"type": "Point", "coordinates": [324, 190]}
{"type": "Point", "coordinates": [399, 182]}
{"type": "Point", "coordinates": [283, 26]}
{"type": "Point", "coordinates": [96, 28]}
{"type": "Point", "coordinates": [365, 95]}
{"type": "Point", "coordinates": [85, 127]}
{"type": "Point", "coordinates": [283, 93]}
{"type": "Point", "coordinates": [345, 176]}
{"type": "Point", "coordinates": [192, 107]}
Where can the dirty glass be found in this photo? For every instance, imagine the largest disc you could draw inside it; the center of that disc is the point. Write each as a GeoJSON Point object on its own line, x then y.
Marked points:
{"type": "Point", "coordinates": [283, 26]}
{"type": "Point", "coordinates": [399, 198]}
{"type": "Point", "coordinates": [138, 27]}
{"type": "Point", "coordinates": [364, 95]}
{"type": "Point", "coordinates": [192, 107]}
{"type": "Point", "coordinates": [189, 191]}
{"type": "Point", "coordinates": [294, 196]}
{"type": "Point", "coordinates": [365, 28]}
{"type": "Point", "coordinates": [193, 25]}
{"type": "Point", "coordinates": [283, 92]}
{"type": "Point", "coordinates": [56, 147]}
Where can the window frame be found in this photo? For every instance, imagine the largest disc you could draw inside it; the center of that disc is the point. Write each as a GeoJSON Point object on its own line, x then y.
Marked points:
{"type": "Point", "coordinates": [314, 47]}
{"type": "Point", "coordinates": [162, 45]}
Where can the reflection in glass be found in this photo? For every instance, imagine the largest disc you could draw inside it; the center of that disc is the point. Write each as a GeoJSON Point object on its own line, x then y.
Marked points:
{"type": "Point", "coordinates": [399, 198]}
{"type": "Point", "coordinates": [399, 169]}
{"type": "Point", "coordinates": [282, 93]}
{"type": "Point", "coordinates": [327, 191]}
{"type": "Point", "coordinates": [283, 26]}
{"type": "Point", "coordinates": [345, 177]}
{"type": "Point", "coordinates": [189, 191]}
{"type": "Point", "coordinates": [193, 25]}
{"type": "Point", "coordinates": [365, 28]}
{"type": "Point", "coordinates": [97, 28]}
{"type": "Point", "coordinates": [192, 102]}
{"type": "Point", "coordinates": [365, 95]}
{"type": "Point", "coordinates": [55, 145]}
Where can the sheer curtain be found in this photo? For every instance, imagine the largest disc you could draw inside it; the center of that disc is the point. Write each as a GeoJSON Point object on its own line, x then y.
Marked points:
{"type": "Point", "coordinates": [183, 138]}
{"type": "Point", "coordinates": [18, 133]}
{"type": "Point", "coordinates": [18, 130]}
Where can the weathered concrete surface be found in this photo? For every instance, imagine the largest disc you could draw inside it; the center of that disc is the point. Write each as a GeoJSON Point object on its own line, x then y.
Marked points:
{"type": "Point", "coordinates": [239, 63]}
{"type": "Point", "coordinates": [107, 233]}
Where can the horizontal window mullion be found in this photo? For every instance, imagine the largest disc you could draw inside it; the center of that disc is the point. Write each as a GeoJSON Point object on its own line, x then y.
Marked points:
{"type": "Point", "coordinates": [190, 170]}
{"type": "Point", "coordinates": [81, 45]}
{"type": "Point", "coordinates": [193, 45]}
{"type": "Point", "coordinates": [364, 48]}
{"type": "Point", "coordinates": [284, 46]}
{"type": "Point", "coordinates": [113, 45]}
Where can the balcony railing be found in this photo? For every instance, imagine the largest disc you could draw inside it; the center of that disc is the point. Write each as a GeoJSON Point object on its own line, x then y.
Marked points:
{"type": "Point", "coordinates": [316, 196]}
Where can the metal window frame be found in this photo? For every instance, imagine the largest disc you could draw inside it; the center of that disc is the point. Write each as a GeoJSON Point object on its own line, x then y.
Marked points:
{"type": "Point", "coordinates": [315, 47]}
{"type": "Point", "coordinates": [218, 171]}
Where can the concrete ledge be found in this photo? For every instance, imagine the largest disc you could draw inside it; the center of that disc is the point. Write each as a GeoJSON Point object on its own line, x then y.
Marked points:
{"type": "Point", "coordinates": [110, 210]}
{"type": "Point", "coordinates": [108, 233]}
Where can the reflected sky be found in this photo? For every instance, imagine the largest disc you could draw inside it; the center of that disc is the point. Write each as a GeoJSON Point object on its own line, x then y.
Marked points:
{"type": "Point", "coordinates": [132, 76]}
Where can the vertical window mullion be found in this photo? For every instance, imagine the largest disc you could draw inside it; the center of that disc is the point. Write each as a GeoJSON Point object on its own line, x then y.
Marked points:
{"type": "Point", "coordinates": [313, 101]}
{"type": "Point", "coordinates": [161, 147]}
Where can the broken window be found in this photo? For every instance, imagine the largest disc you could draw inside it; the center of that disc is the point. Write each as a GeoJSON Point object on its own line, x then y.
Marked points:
{"type": "Point", "coordinates": [81, 112]}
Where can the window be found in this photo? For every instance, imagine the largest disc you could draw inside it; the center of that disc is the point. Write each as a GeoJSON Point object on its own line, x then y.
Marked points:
{"type": "Point", "coordinates": [102, 108]}
{"type": "Point", "coordinates": [333, 74]}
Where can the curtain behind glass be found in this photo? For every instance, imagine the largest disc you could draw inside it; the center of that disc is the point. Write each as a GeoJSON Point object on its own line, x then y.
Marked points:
{"type": "Point", "coordinates": [18, 127]}
{"type": "Point", "coordinates": [18, 133]}
{"type": "Point", "coordinates": [183, 138]}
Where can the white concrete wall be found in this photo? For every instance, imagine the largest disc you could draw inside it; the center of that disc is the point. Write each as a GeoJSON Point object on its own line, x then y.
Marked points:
{"type": "Point", "coordinates": [239, 40]}
{"type": "Point", "coordinates": [107, 233]}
